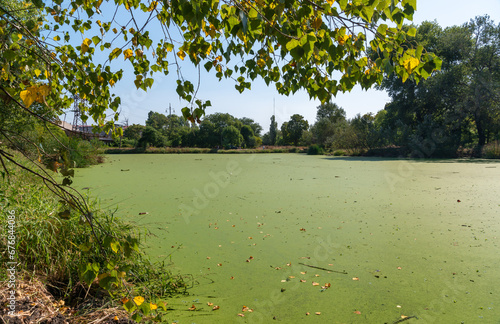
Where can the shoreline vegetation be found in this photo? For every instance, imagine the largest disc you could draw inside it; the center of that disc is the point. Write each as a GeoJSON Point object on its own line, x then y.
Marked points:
{"type": "Point", "coordinates": [489, 151]}
{"type": "Point", "coordinates": [65, 269]}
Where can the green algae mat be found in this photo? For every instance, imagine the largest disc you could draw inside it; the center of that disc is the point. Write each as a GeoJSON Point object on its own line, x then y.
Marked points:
{"type": "Point", "coordinates": [312, 239]}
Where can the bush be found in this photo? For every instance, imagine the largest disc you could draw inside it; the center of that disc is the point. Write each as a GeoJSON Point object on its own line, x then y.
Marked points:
{"type": "Point", "coordinates": [339, 153]}
{"type": "Point", "coordinates": [315, 150]}
{"type": "Point", "coordinates": [491, 150]}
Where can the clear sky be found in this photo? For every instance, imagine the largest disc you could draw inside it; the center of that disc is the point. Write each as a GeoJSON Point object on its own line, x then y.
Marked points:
{"type": "Point", "coordinates": [258, 103]}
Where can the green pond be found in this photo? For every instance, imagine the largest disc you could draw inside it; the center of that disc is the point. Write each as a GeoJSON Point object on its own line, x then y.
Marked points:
{"type": "Point", "coordinates": [359, 240]}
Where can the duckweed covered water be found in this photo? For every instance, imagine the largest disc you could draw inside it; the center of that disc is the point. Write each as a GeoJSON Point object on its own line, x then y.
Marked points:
{"type": "Point", "coordinates": [400, 238]}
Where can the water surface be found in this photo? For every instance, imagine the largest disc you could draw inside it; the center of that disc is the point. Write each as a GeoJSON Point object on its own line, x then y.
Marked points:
{"type": "Point", "coordinates": [400, 237]}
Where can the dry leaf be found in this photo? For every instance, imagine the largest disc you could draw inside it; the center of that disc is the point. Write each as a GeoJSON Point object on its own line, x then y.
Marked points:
{"type": "Point", "coordinates": [316, 275]}
{"type": "Point", "coordinates": [399, 268]}
{"type": "Point", "coordinates": [231, 278]}
{"type": "Point", "coordinates": [219, 264]}
{"type": "Point", "coordinates": [357, 312]}
{"type": "Point", "coordinates": [210, 304]}
{"type": "Point", "coordinates": [291, 277]}
{"type": "Point", "coordinates": [355, 279]}
{"type": "Point", "coordinates": [192, 308]}
{"type": "Point", "coordinates": [208, 258]}
{"type": "Point", "coordinates": [398, 306]}
{"type": "Point", "coordinates": [241, 315]}
{"type": "Point", "coordinates": [302, 272]}
{"type": "Point", "coordinates": [315, 284]}
{"type": "Point", "coordinates": [308, 313]}
{"type": "Point", "coordinates": [318, 313]}
{"type": "Point", "coordinates": [403, 316]}
{"type": "Point", "coordinates": [302, 280]}
{"type": "Point", "coordinates": [215, 307]}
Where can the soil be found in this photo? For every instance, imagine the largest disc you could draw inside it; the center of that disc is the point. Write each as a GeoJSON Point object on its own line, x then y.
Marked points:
{"type": "Point", "coordinates": [34, 304]}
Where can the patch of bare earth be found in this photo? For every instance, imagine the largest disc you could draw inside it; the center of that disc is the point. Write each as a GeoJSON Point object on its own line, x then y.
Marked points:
{"type": "Point", "coordinates": [35, 304]}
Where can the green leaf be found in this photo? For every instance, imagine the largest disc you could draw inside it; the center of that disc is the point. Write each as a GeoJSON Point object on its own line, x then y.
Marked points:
{"type": "Point", "coordinates": [130, 306]}
{"type": "Point", "coordinates": [96, 40]}
{"type": "Point", "coordinates": [382, 29]}
{"type": "Point", "coordinates": [9, 55]}
{"type": "Point", "coordinates": [292, 44]}
{"type": "Point", "coordinates": [412, 32]}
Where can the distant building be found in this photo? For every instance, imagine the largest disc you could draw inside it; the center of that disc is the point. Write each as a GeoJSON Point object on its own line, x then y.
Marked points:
{"type": "Point", "coordinates": [87, 132]}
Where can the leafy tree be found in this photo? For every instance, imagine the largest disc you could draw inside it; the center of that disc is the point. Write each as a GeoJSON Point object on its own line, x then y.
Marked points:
{"type": "Point", "coordinates": [134, 132]}
{"type": "Point", "coordinates": [248, 136]}
{"type": "Point", "coordinates": [294, 129]}
{"type": "Point", "coordinates": [330, 111]}
{"type": "Point", "coordinates": [151, 136]}
{"type": "Point", "coordinates": [157, 120]}
{"type": "Point", "coordinates": [232, 137]}
{"type": "Point", "coordinates": [273, 131]}
{"type": "Point", "coordinates": [256, 128]}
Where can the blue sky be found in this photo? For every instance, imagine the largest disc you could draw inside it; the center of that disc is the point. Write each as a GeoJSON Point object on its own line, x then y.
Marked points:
{"type": "Point", "coordinates": [258, 102]}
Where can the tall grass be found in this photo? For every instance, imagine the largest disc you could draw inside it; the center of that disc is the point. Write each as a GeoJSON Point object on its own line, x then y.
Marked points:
{"type": "Point", "coordinates": [50, 246]}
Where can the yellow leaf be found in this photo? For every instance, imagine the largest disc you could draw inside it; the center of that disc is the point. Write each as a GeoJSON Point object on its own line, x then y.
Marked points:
{"type": "Point", "coordinates": [410, 64]}
{"type": "Point", "coordinates": [27, 97]}
{"type": "Point", "coordinates": [102, 276]}
{"type": "Point", "coordinates": [153, 306]}
{"type": "Point", "coordinates": [128, 53]}
{"type": "Point", "coordinates": [111, 82]}
{"type": "Point", "coordinates": [261, 63]}
{"type": "Point", "coordinates": [138, 300]}
{"type": "Point", "coordinates": [100, 79]}
{"type": "Point", "coordinates": [37, 72]}
{"type": "Point", "coordinates": [99, 23]}
{"type": "Point", "coordinates": [330, 2]}
{"type": "Point", "coordinates": [20, 36]}
{"type": "Point", "coordinates": [85, 45]}
{"type": "Point", "coordinates": [153, 6]}
{"type": "Point", "coordinates": [181, 55]}
{"type": "Point", "coordinates": [209, 49]}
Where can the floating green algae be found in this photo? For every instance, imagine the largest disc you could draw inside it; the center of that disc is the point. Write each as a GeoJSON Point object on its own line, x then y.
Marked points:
{"type": "Point", "coordinates": [400, 237]}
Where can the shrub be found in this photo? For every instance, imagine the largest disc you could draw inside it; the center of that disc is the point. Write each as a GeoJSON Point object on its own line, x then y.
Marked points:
{"type": "Point", "coordinates": [315, 150]}
{"type": "Point", "coordinates": [339, 153]}
{"type": "Point", "coordinates": [491, 150]}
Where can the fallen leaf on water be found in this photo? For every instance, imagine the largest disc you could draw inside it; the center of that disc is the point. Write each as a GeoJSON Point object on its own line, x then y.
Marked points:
{"type": "Point", "coordinates": [330, 264]}
{"type": "Point", "coordinates": [398, 306]}
{"type": "Point", "coordinates": [302, 272]}
{"type": "Point", "coordinates": [318, 313]}
{"type": "Point", "coordinates": [215, 307]}
{"type": "Point", "coordinates": [302, 229]}
{"type": "Point", "coordinates": [355, 279]}
{"type": "Point", "coordinates": [315, 284]}
{"type": "Point", "coordinates": [278, 268]}
{"type": "Point", "coordinates": [219, 264]}
{"type": "Point", "coordinates": [308, 313]}
{"type": "Point", "coordinates": [289, 264]}
{"type": "Point", "coordinates": [250, 258]}
{"type": "Point", "coordinates": [250, 237]}
{"type": "Point", "coordinates": [302, 280]}
{"type": "Point", "coordinates": [241, 315]}
{"type": "Point", "coordinates": [291, 277]}
{"type": "Point", "coordinates": [316, 275]}
{"type": "Point", "coordinates": [192, 308]}
{"type": "Point", "coordinates": [208, 258]}
{"type": "Point", "coordinates": [216, 227]}
{"type": "Point", "coordinates": [246, 309]}
{"type": "Point", "coordinates": [328, 285]}
{"type": "Point", "coordinates": [357, 312]}
{"type": "Point", "coordinates": [210, 304]}
{"type": "Point", "coordinates": [399, 268]}
{"type": "Point", "coordinates": [231, 278]}
{"type": "Point", "coordinates": [403, 316]}
{"type": "Point", "coordinates": [283, 280]}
